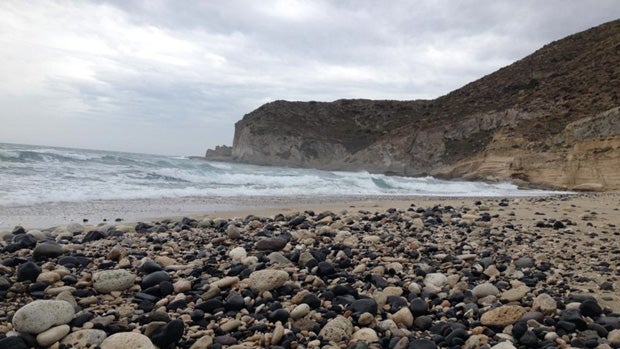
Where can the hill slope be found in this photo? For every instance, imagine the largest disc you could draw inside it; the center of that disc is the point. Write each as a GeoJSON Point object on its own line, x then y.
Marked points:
{"type": "Point", "coordinates": [550, 119]}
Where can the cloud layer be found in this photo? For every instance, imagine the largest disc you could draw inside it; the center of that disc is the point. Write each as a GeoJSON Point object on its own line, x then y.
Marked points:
{"type": "Point", "coordinates": [172, 77]}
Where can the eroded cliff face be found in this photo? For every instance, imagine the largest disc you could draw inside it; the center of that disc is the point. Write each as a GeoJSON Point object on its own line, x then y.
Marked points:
{"type": "Point", "coordinates": [550, 120]}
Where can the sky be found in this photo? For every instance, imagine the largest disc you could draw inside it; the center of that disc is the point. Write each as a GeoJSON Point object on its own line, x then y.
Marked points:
{"type": "Point", "coordinates": [172, 77]}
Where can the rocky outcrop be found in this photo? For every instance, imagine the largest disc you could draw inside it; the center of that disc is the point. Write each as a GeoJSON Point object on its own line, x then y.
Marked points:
{"type": "Point", "coordinates": [219, 153]}
{"type": "Point", "coordinates": [549, 120]}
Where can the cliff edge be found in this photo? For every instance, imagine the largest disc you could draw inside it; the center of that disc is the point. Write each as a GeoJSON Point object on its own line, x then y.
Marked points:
{"type": "Point", "coordinates": [551, 120]}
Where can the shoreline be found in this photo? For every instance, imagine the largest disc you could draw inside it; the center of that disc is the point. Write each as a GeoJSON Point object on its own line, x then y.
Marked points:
{"type": "Point", "coordinates": [94, 212]}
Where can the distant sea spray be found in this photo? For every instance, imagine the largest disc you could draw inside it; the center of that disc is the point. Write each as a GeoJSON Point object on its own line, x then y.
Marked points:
{"type": "Point", "coordinates": [39, 174]}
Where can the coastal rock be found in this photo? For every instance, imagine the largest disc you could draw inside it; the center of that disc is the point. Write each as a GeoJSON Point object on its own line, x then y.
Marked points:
{"type": "Point", "coordinates": [502, 316]}
{"type": "Point", "coordinates": [52, 335]}
{"type": "Point", "coordinates": [268, 279]}
{"type": "Point", "coordinates": [127, 340]}
{"type": "Point", "coordinates": [113, 280]}
{"type": "Point", "coordinates": [84, 339]}
{"type": "Point", "coordinates": [337, 329]}
{"type": "Point", "coordinates": [39, 315]}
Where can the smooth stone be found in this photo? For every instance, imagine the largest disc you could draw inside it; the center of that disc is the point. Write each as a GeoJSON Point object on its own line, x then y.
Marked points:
{"type": "Point", "coordinates": [48, 276]}
{"type": "Point", "coordinates": [515, 294]}
{"type": "Point", "coordinates": [154, 278]}
{"type": "Point", "coordinates": [545, 304]}
{"type": "Point", "coordinates": [418, 306]}
{"type": "Point", "coordinates": [270, 244]}
{"type": "Point", "coordinates": [47, 250]}
{"type": "Point", "coordinates": [168, 334]}
{"type": "Point", "coordinates": [28, 271]}
{"type": "Point", "coordinates": [52, 335]}
{"type": "Point", "coordinates": [504, 345]}
{"type": "Point", "coordinates": [591, 308]}
{"type": "Point", "coordinates": [127, 340]}
{"type": "Point", "coordinates": [237, 254]}
{"type": "Point", "coordinates": [422, 344]}
{"type": "Point", "coordinates": [300, 311]}
{"type": "Point", "coordinates": [485, 289]}
{"type": "Point", "coordinates": [204, 342]}
{"type": "Point", "coordinates": [13, 342]}
{"type": "Point", "coordinates": [364, 305]}
{"type": "Point", "coordinates": [403, 317]}
{"type": "Point", "coordinates": [113, 280]}
{"type": "Point", "coordinates": [39, 315]}
{"type": "Point", "coordinates": [337, 328]}
{"type": "Point", "coordinates": [75, 228]}
{"type": "Point", "coordinates": [502, 316]}
{"type": "Point", "coordinates": [233, 232]}
{"type": "Point", "coordinates": [278, 258]}
{"type": "Point", "coordinates": [524, 262]}
{"type": "Point", "coordinates": [84, 339]}
{"type": "Point", "coordinates": [367, 335]}
{"type": "Point", "coordinates": [613, 338]}
{"type": "Point", "coordinates": [267, 279]}
{"type": "Point", "coordinates": [435, 279]}
{"type": "Point", "coordinates": [365, 319]}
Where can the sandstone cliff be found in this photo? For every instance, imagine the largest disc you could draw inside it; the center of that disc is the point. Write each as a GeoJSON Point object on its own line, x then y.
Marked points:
{"type": "Point", "coordinates": [549, 120]}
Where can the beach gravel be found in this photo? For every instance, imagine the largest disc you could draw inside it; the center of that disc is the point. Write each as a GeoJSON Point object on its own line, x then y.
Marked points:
{"type": "Point", "coordinates": [475, 274]}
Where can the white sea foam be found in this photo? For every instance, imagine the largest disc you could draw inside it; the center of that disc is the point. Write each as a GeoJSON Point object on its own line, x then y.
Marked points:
{"type": "Point", "coordinates": [31, 175]}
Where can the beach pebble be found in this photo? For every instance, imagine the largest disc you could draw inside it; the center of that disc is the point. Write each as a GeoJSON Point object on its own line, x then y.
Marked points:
{"type": "Point", "coordinates": [154, 278]}
{"type": "Point", "coordinates": [168, 334]}
{"type": "Point", "coordinates": [613, 338]}
{"type": "Point", "coordinates": [270, 244]}
{"type": "Point", "coordinates": [502, 316]}
{"type": "Point", "coordinates": [337, 328]}
{"type": "Point", "coordinates": [84, 339]}
{"type": "Point", "coordinates": [504, 345]}
{"type": "Point", "coordinates": [367, 335]}
{"type": "Point", "coordinates": [237, 254]}
{"type": "Point", "coordinates": [74, 228]}
{"type": "Point", "coordinates": [39, 315]}
{"type": "Point", "coordinates": [233, 232]}
{"type": "Point", "coordinates": [47, 250]}
{"type": "Point", "coordinates": [403, 317]}
{"type": "Point", "coordinates": [28, 271]}
{"type": "Point", "coordinates": [268, 279]}
{"type": "Point", "coordinates": [204, 342]}
{"type": "Point", "coordinates": [545, 304]}
{"type": "Point", "coordinates": [113, 280]}
{"type": "Point", "coordinates": [300, 311]}
{"type": "Point", "coordinates": [485, 289]}
{"type": "Point", "coordinates": [515, 294]}
{"type": "Point", "coordinates": [524, 262]}
{"type": "Point", "coordinates": [52, 335]}
{"type": "Point", "coordinates": [127, 340]}
{"type": "Point", "coordinates": [48, 276]}
{"type": "Point", "coordinates": [435, 279]}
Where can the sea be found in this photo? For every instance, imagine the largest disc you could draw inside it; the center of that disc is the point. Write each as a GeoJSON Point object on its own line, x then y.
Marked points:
{"type": "Point", "coordinates": [41, 174]}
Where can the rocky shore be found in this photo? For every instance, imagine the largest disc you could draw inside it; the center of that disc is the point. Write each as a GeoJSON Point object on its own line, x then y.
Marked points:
{"type": "Point", "coordinates": [489, 273]}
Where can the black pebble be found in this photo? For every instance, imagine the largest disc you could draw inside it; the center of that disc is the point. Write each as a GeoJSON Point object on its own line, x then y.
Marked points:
{"type": "Point", "coordinates": [168, 334]}
{"type": "Point", "coordinates": [422, 344]}
{"type": "Point", "coordinates": [28, 272]}
{"type": "Point", "coordinates": [154, 279]}
{"type": "Point", "coordinates": [590, 308]}
{"type": "Point", "coordinates": [279, 315]}
{"type": "Point", "coordinates": [364, 305]}
{"type": "Point", "coordinates": [13, 342]}
{"type": "Point", "coordinates": [529, 339]}
{"type": "Point", "coordinates": [234, 302]}
{"type": "Point", "coordinates": [325, 269]}
{"type": "Point", "coordinates": [312, 300]}
{"type": "Point", "coordinates": [93, 235]}
{"type": "Point", "coordinates": [418, 307]}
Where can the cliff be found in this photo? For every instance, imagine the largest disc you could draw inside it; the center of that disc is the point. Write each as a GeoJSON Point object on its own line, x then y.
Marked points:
{"type": "Point", "coordinates": [548, 120]}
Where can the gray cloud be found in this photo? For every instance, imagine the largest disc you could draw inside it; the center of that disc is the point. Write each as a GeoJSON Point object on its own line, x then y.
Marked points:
{"type": "Point", "coordinates": [167, 77]}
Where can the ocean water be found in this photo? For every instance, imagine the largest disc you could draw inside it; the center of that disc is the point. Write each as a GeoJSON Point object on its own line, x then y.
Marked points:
{"type": "Point", "coordinates": [38, 174]}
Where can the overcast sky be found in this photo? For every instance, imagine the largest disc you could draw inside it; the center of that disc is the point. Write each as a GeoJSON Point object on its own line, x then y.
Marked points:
{"type": "Point", "coordinates": [172, 77]}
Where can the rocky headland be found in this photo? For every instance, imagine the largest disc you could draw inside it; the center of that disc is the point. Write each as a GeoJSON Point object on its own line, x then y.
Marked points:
{"type": "Point", "coordinates": [495, 273]}
{"type": "Point", "coordinates": [549, 120]}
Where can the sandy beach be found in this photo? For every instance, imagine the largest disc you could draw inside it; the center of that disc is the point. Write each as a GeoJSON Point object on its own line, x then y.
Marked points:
{"type": "Point", "coordinates": [413, 272]}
